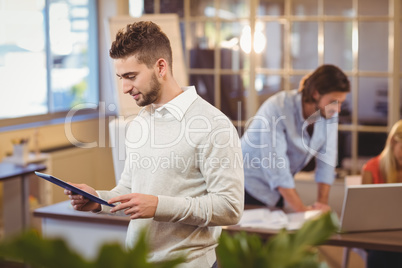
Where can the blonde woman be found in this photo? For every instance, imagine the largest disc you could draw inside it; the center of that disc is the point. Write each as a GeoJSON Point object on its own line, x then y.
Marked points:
{"type": "Point", "coordinates": [387, 166]}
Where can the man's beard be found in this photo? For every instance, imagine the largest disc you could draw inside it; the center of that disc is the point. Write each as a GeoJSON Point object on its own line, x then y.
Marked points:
{"type": "Point", "coordinates": [151, 96]}
{"type": "Point", "coordinates": [322, 111]}
{"type": "Point", "coordinates": [327, 112]}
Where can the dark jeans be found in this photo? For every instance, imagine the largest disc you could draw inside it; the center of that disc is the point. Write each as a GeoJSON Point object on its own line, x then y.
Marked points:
{"type": "Point", "coordinates": [386, 259]}
{"type": "Point", "coordinates": [215, 265]}
{"type": "Point", "coordinates": [249, 200]}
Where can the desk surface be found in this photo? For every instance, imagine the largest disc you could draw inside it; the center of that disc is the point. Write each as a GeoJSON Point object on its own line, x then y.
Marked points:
{"type": "Point", "coordinates": [10, 170]}
{"type": "Point", "coordinates": [64, 211]}
{"type": "Point", "coordinates": [16, 214]}
{"type": "Point", "coordinates": [385, 240]}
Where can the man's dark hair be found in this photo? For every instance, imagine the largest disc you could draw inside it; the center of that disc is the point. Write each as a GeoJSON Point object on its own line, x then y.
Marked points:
{"type": "Point", "coordinates": [145, 40]}
{"type": "Point", "coordinates": [325, 79]}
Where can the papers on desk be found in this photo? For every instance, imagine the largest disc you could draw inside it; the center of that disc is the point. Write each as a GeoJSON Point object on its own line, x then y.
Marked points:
{"type": "Point", "coordinates": [275, 219]}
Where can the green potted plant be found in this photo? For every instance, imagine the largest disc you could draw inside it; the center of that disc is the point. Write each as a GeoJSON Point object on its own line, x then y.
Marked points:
{"type": "Point", "coordinates": [36, 251]}
{"type": "Point", "coordinates": [286, 249]}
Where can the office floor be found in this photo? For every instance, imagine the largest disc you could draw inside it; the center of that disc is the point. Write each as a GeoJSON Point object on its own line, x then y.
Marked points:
{"type": "Point", "coordinates": [333, 256]}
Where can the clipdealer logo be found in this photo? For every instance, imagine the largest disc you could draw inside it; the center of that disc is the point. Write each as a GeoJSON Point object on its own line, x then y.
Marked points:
{"type": "Point", "coordinates": [119, 125]}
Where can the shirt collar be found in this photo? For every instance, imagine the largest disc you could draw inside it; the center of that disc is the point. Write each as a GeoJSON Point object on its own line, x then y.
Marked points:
{"type": "Point", "coordinates": [178, 106]}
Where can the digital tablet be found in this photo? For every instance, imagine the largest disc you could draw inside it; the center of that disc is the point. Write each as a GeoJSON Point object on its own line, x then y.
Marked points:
{"type": "Point", "coordinates": [73, 189]}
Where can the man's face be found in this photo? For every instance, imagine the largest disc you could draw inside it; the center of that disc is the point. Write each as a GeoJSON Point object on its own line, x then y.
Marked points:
{"type": "Point", "coordinates": [330, 104]}
{"type": "Point", "coordinates": [138, 80]}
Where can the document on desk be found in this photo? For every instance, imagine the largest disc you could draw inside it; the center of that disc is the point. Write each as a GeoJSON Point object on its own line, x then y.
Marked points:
{"type": "Point", "coordinates": [275, 219]}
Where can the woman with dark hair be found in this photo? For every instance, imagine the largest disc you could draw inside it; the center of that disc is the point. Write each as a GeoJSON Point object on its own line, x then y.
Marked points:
{"type": "Point", "coordinates": [289, 129]}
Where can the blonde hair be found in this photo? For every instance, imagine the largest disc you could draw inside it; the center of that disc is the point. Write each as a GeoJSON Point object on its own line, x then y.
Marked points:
{"type": "Point", "coordinates": [388, 165]}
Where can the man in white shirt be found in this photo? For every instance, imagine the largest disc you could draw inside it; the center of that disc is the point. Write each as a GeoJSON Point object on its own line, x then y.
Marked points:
{"type": "Point", "coordinates": [183, 176]}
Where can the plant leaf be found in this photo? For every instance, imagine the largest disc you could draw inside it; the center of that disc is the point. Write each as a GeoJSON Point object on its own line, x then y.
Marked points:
{"type": "Point", "coordinates": [286, 249]}
{"type": "Point", "coordinates": [31, 249]}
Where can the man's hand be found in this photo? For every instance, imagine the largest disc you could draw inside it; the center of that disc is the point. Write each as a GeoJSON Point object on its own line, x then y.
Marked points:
{"type": "Point", "coordinates": [321, 206]}
{"type": "Point", "coordinates": [136, 205]}
{"type": "Point", "coordinates": [81, 203]}
{"type": "Point", "coordinates": [292, 198]}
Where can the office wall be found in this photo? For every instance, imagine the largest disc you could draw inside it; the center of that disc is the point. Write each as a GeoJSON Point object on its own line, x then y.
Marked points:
{"type": "Point", "coordinates": [94, 162]}
{"type": "Point", "coordinates": [52, 137]}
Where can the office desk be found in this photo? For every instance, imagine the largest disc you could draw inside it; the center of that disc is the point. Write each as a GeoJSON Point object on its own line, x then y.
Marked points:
{"type": "Point", "coordinates": [385, 240]}
{"type": "Point", "coordinates": [84, 232]}
{"type": "Point", "coordinates": [16, 195]}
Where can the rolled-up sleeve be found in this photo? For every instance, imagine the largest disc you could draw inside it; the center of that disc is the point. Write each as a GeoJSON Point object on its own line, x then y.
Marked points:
{"type": "Point", "coordinates": [326, 158]}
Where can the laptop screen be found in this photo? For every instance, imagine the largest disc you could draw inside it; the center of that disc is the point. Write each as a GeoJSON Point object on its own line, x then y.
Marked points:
{"type": "Point", "coordinates": [372, 207]}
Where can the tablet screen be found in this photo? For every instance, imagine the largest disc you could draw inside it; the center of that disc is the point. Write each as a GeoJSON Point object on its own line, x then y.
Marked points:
{"type": "Point", "coordinates": [72, 188]}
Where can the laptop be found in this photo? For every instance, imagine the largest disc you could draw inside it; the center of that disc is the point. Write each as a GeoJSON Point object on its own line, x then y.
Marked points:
{"type": "Point", "coordinates": [372, 207]}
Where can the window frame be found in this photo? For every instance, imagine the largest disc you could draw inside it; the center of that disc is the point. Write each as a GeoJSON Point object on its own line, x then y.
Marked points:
{"type": "Point", "coordinates": [56, 117]}
{"type": "Point", "coordinates": [393, 73]}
